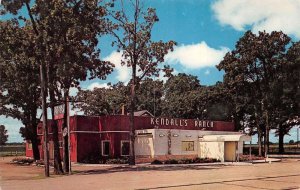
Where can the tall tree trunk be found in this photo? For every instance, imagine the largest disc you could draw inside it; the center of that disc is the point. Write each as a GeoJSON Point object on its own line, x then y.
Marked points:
{"type": "Point", "coordinates": [34, 140]}
{"type": "Point", "coordinates": [57, 158]}
{"type": "Point", "coordinates": [131, 124]}
{"type": "Point", "coordinates": [259, 134]}
{"type": "Point", "coordinates": [34, 136]}
{"type": "Point", "coordinates": [281, 138]}
{"type": "Point", "coordinates": [65, 136]}
{"type": "Point", "coordinates": [266, 138]}
{"type": "Point", "coordinates": [35, 144]}
{"type": "Point", "coordinates": [45, 120]}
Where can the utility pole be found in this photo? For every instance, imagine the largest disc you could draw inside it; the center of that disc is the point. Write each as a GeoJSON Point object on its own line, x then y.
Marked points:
{"type": "Point", "coordinates": [297, 138]}
{"type": "Point", "coordinates": [45, 125]}
{"type": "Point", "coordinates": [69, 137]}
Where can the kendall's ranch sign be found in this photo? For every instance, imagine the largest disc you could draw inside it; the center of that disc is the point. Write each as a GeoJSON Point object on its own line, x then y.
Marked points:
{"type": "Point", "coordinates": [174, 122]}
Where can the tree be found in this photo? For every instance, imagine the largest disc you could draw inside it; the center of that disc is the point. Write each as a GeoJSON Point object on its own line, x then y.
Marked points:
{"type": "Point", "coordinates": [250, 70]}
{"type": "Point", "coordinates": [19, 79]}
{"type": "Point", "coordinates": [140, 53]}
{"type": "Point", "coordinates": [65, 46]}
{"type": "Point", "coordinates": [286, 95]}
{"type": "Point", "coordinates": [218, 103]}
{"type": "Point", "coordinates": [181, 97]}
{"type": "Point", "coordinates": [102, 101]}
{"type": "Point", "coordinates": [149, 96]}
{"type": "Point", "coordinates": [111, 99]}
{"type": "Point", "coordinates": [3, 135]}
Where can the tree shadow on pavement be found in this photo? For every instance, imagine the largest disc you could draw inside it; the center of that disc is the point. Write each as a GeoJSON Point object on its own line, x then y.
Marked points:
{"type": "Point", "coordinates": [141, 168]}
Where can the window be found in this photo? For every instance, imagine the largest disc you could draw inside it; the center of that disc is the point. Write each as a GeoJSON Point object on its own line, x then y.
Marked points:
{"type": "Point", "coordinates": [187, 145]}
{"type": "Point", "coordinates": [125, 146]}
{"type": "Point", "coordinates": [105, 148]}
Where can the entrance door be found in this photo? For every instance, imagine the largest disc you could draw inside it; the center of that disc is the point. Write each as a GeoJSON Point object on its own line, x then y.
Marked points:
{"type": "Point", "coordinates": [230, 151]}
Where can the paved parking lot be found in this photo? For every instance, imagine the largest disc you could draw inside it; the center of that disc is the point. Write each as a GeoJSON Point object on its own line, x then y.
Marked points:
{"type": "Point", "coordinates": [283, 175]}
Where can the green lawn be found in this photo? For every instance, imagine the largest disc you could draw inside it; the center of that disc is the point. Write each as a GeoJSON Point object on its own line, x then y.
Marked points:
{"type": "Point", "coordinates": [12, 150]}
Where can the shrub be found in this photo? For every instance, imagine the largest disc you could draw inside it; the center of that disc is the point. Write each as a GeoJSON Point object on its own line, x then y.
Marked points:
{"type": "Point", "coordinates": [117, 161]}
{"type": "Point", "coordinates": [172, 161]}
{"type": "Point", "coordinates": [216, 160]}
{"type": "Point", "coordinates": [185, 161]}
{"type": "Point", "coordinates": [25, 161]}
{"type": "Point", "coordinates": [245, 158]}
{"type": "Point", "coordinates": [93, 158]}
{"type": "Point", "coordinates": [205, 160]}
{"type": "Point", "coordinates": [156, 162]}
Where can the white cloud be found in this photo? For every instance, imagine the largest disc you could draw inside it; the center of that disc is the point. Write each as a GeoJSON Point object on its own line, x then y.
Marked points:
{"type": "Point", "coordinates": [75, 111]}
{"type": "Point", "coordinates": [123, 72]}
{"type": "Point", "coordinates": [196, 55]}
{"type": "Point", "coordinates": [161, 76]}
{"type": "Point", "coordinates": [207, 72]}
{"type": "Point", "coordinates": [13, 127]}
{"type": "Point", "coordinates": [269, 15]}
{"type": "Point", "coordinates": [97, 85]}
{"type": "Point", "coordinates": [73, 91]}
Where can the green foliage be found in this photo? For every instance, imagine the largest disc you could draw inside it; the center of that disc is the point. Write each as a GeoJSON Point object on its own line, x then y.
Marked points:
{"type": "Point", "coordinates": [181, 97]}
{"type": "Point", "coordinates": [186, 161]}
{"type": "Point", "coordinates": [109, 100]}
{"type": "Point", "coordinates": [171, 161]}
{"type": "Point", "coordinates": [132, 31]}
{"type": "Point", "coordinates": [93, 158]}
{"type": "Point", "coordinates": [246, 158]}
{"type": "Point", "coordinates": [156, 162]}
{"type": "Point", "coordinates": [19, 74]}
{"type": "Point", "coordinates": [117, 161]}
{"type": "Point", "coordinates": [3, 135]}
{"type": "Point", "coordinates": [62, 39]}
{"type": "Point", "coordinates": [149, 96]}
{"type": "Point", "coordinates": [262, 79]}
{"type": "Point", "coordinates": [102, 101]}
{"type": "Point", "coordinates": [250, 70]}
{"type": "Point", "coordinates": [291, 142]}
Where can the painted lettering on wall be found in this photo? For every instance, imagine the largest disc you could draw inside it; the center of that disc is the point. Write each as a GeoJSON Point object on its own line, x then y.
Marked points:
{"type": "Point", "coordinates": [181, 122]}
{"type": "Point", "coordinates": [204, 124]}
{"type": "Point", "coordinates": [169, 122]}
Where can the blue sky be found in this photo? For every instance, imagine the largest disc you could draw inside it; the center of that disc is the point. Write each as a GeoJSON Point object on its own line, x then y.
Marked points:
{"type": "Point", "coordinates": [204, 30]}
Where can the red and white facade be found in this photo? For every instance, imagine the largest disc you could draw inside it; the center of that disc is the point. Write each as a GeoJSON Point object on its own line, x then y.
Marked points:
{"type": "Point", "coordinates": [108, 136]}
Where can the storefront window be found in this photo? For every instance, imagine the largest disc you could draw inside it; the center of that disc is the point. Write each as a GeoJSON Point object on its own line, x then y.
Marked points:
{"type": "Point", "coordinates": [187, 145]}
{"type": "Point", "coordinates": [125, 148]}
{"type": "Point", "coordinates": [105, 148]}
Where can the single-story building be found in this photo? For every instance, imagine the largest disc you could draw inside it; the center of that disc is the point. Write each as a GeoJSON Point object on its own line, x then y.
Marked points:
{"type": "Point", "coordinates": [156, 138]}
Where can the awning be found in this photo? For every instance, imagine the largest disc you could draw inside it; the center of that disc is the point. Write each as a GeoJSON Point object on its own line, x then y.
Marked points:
{"type": "Point", "coordinates": [221, 138]}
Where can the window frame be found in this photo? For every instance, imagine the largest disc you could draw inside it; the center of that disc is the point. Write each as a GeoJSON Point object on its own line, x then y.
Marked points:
{"type": "Point", "coordinates": [126, 141]}
{"type": "Point", "coordinates": [102, 147]}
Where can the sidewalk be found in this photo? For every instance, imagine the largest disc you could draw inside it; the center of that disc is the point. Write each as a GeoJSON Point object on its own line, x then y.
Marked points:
{"type": "Point", "coordinates": [284, 155]}
{"type": "Point", "coordinates": [148, 165]}
{"type": "Point", "coordinates": [268, 160]}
